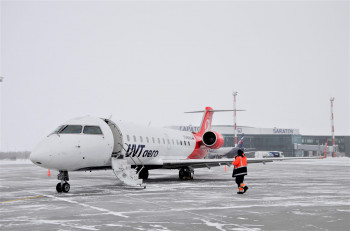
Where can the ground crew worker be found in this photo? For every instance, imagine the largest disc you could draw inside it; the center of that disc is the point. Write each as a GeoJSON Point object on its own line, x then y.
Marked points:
{"type": "Point", "coordinates": [240, 170]}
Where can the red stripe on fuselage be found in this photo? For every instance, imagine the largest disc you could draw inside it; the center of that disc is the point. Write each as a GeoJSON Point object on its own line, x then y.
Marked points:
{"type": "Point", "coordinates": [200, 150]}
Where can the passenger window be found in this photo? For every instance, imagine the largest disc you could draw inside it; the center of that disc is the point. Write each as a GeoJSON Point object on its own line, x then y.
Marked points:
{"type": "Point", "coordinates": [173, 141]}
{"type": "Point", "coordinates": [92, 130]}
{"type": "Point", "coordinates": [134, 138]}
{"type": "Point", "coordinates": [72, 129]}
{"type": "Point", "coordinates": [163, 141]}
{"type": "Point", "coordinates": [177, 142]}
{"type": "Point", "coordinates": [141, 140]}
{"type": "Point", "coordinates": [168, 141]}
{"type": "Point", "coordinates": [158, 141]}
{"type": "Point", "coordinates": [189, 143]}
{"type": "Point", "coordinates": [147, 139]}
{"type": "Point", "coordinates": [185, 143]}
{"type": "Point", "coordinates": [153, 140]}
{"type": "Point", "coordinates": [128, 138]}
{"type": "Point", "coordinates": [180, 142]}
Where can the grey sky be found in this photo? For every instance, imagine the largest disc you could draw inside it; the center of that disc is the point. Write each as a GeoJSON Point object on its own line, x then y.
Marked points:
{"type": "Point", "coordinates": [151, 61]}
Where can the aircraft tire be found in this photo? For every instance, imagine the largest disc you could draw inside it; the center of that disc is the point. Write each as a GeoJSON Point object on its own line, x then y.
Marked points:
{"type": "Point", "coordinates": [65, 187]}
{"type": "Point", "coordinates": [181, 174]}
{"type": "Point", "coordinates": [185, 174]}
{"type": "Point", "coordinates": [59, 188]}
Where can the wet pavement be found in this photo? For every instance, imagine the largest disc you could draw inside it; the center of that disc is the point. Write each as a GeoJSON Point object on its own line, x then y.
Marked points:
{"type": "Point", "coordinates": [288, 195]}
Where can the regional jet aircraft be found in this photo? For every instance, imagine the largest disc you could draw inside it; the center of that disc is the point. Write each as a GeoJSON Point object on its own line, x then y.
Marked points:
{"type": "Point", "coordinates": [91, 143]}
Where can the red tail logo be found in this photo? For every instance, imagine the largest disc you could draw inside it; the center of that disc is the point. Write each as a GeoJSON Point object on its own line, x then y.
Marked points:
{"type": "Point", "coordinates": [206, 121]}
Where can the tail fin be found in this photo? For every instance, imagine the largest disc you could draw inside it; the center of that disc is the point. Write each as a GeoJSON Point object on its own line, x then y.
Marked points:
{"type": "Point", "coordinates": [207, 118]}
{"type": "Point", "coordinates": [240, 143]}
{"type": "Point", "coordinates": [325, 150]}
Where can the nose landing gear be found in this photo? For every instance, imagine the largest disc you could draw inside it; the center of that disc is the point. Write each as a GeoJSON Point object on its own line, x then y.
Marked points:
{"type": "Point", "coordinates": [63, 186]}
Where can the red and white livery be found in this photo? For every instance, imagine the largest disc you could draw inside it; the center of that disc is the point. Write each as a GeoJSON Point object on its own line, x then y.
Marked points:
{"type": "Point", "coordinates": [91, 143]}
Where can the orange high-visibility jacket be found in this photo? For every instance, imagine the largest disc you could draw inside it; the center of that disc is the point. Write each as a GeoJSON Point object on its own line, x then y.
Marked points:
{"type": "Point", "coordinates": [240, 161]}
{"type": "Point", "coordinates": [240, 164]}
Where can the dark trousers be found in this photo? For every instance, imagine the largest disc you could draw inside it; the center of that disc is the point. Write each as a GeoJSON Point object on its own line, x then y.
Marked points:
{"type": "Point", "coordinates": [239, 180]}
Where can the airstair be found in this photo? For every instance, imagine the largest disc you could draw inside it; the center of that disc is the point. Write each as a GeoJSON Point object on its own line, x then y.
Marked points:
{"type": "Point", "coordinates": [122, 170]}
{"type": "Point", "coordinates": [125, 173]}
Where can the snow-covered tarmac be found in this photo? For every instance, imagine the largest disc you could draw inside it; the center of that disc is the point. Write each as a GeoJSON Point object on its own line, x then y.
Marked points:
{"type": "Point", "coordinates": [288, 195]}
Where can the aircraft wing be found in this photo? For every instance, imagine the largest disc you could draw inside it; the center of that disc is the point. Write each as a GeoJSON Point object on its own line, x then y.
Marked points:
{"type": "Point", "coordinates": [225, 150]}
{"type": "Point", "coordinates": [220, 151]}
{"type": "Point", "coordinates": [207, 163]}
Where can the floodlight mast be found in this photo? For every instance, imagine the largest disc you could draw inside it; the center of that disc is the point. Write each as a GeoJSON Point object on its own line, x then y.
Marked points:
{"type": "Point", "coordinates": [332, 123]}
{"type": "Point", "coordinates": [1, 80]}
{"type": "Point", "coordinates": [234, 93]}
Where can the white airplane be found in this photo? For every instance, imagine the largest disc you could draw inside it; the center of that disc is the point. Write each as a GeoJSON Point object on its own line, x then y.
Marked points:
{"type": "Point", "coordinates": [91, 143]}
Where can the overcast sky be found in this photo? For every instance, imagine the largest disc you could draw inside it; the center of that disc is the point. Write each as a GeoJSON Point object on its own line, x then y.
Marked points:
{"type": "Point", "coordinates": [146, 61]}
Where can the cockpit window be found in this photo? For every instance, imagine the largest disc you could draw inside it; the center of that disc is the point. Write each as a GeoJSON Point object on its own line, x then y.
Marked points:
{"type": "Point", "coordinates": [71, 129]}
{"type": "Point", "coordinates": [57, 130]}
{"type": "Point", "coordinates": [92, 130]}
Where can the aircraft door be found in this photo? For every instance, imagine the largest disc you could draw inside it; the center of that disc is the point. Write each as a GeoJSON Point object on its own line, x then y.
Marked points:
{"type": "Point", "coordinates": [118, 137]}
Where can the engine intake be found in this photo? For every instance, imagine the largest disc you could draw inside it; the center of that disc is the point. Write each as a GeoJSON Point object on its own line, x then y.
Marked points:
{"type": "Point", "coordinates": [212, 139]}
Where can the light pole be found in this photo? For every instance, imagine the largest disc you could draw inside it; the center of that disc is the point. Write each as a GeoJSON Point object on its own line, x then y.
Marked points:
{"type": "Point", "coordinates": [332, 124]}
{"type": "Point", "coordinates": [1, 80]}
{"type": "Point", "coordinates": [234, 93]}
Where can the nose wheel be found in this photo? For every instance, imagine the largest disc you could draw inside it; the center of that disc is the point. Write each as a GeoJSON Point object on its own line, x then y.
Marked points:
{"type": "Point", "coordinates": [63, 186]}
{"type": "Point", "coordinates": [59, 187]}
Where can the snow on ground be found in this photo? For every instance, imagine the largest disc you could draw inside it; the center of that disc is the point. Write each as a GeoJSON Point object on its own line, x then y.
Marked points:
{"type": "Point", "coordinates": [18, 161]}
{"type": "Point", "coordinates": [287, 195]}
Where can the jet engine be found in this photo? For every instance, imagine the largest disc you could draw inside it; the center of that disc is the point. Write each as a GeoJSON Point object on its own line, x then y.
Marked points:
{"type": "Point", "coordinates": [212, 139]}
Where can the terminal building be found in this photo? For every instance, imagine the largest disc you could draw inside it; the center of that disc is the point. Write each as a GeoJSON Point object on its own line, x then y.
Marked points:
{"type": "Point", "coordinates": [287, 140]}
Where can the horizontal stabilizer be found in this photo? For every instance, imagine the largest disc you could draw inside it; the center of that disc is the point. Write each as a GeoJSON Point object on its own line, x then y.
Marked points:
{"type": "Point", "coordinates": [212, 111]}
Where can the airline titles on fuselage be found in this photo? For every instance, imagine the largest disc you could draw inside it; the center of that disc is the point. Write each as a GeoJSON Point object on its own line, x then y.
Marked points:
{"type": "Point", "coordinates": [137, 150]}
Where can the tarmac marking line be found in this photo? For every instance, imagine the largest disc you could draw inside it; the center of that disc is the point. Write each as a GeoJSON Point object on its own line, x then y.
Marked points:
{"type": "Point", "coordinates": [85, 205]}
{"type": "Point", "coordinates": [196, 214]}
{"type": "Point", "coordinates": [20, 199]}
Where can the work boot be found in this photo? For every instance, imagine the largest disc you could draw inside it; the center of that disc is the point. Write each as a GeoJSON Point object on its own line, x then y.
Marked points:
{"type": "Point", "coordinates": [245, 188]}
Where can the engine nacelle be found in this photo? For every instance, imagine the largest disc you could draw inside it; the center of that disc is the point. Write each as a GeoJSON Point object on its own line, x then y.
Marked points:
{"type": "Point", "coordinates": [212, 139]}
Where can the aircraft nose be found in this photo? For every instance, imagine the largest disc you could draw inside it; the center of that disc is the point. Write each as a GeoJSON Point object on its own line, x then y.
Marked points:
{"type": "Point", "coordinates": [35, 157]}
{"type": "Point", "coordinates": [50, 153]}
{"type": "Point", "coordinates": [40, 154]}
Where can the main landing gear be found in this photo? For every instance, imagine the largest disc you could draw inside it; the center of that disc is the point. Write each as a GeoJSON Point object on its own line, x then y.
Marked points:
{"type": "Point", "coordinates": [143, 173]}
{"type": "Point", "coordinates": [186, 173]}
{"type": "Point", "coordinates": [63, 186]}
